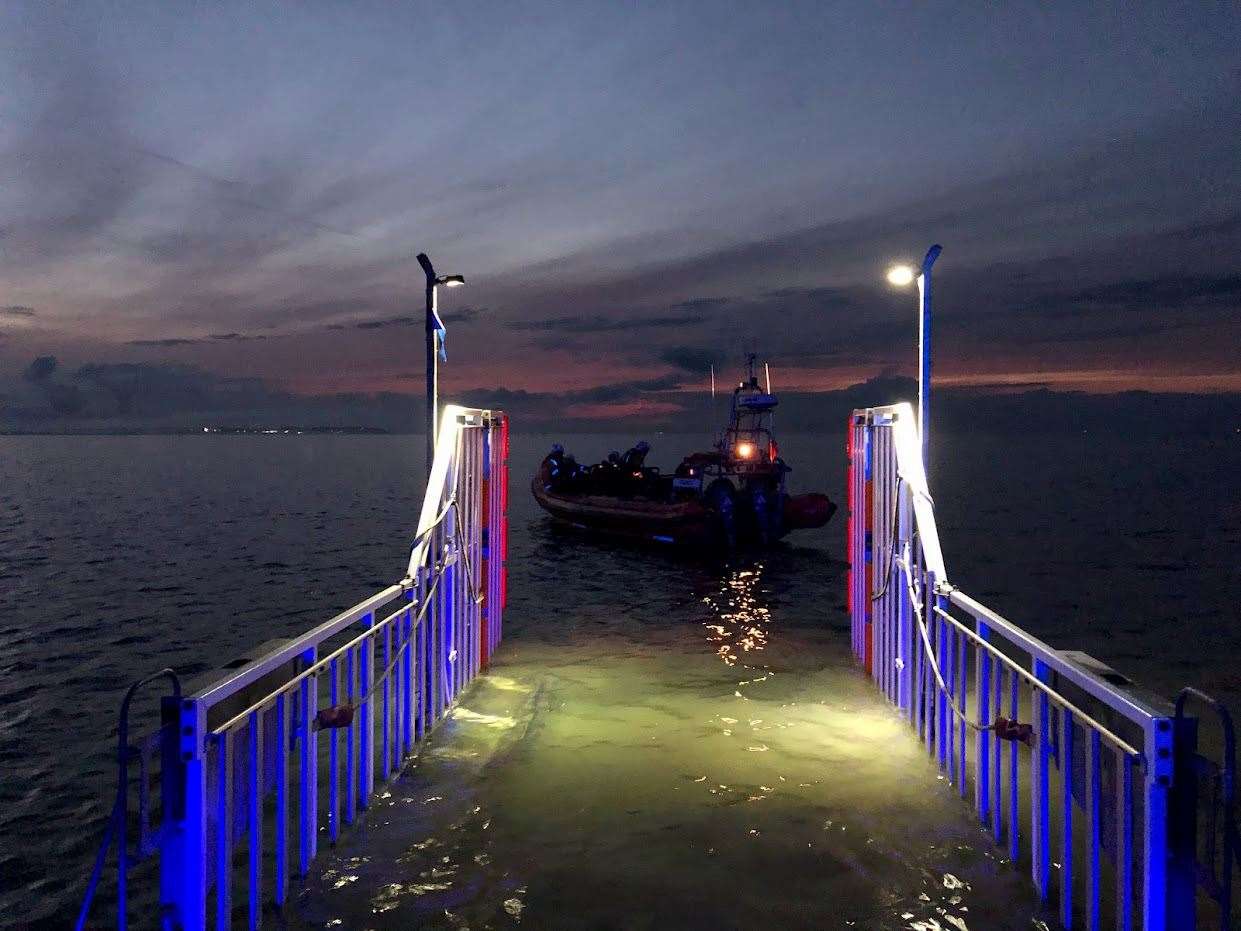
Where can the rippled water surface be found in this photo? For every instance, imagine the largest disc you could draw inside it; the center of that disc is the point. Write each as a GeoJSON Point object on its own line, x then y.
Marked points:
{"type": "Point", "coordinates": [665, 741]}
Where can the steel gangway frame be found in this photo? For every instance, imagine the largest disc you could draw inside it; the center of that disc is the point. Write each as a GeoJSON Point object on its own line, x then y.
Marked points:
{"type": "Point", "coordinates": [1073, 770]}
{"type": "Point", "coordinates": [246, 786]}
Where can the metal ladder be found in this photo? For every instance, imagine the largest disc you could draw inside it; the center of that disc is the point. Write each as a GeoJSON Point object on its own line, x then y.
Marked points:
{"type": "Point", "coordinates": [117, 831]}
{"type": "Point", "coordinates": [1218, 849]}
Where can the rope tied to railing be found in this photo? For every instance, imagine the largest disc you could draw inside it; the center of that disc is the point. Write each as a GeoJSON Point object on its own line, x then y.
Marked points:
{"type": "Point", "coordinates": [1002, 727]}
{"type": "Point", "coordinates": [887, 572]}
{"type": "Point", "coordinates": [1010, 729]}
{"type": "Point", "coordinates": [915, 601]}
{"type": "Point", "coordinates": [896, 499]}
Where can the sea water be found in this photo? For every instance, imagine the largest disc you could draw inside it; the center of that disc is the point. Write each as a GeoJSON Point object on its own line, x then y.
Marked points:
{"type": "Point", "coordinates": [666, 739]}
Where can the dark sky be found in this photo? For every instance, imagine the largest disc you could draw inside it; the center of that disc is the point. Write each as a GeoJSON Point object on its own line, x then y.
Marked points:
{"type": "Point", "coordinates": [216, 206]}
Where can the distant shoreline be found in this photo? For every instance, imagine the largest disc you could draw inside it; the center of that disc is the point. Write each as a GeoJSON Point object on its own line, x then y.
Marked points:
{"type": "Point", "coordinates": [218, 431]}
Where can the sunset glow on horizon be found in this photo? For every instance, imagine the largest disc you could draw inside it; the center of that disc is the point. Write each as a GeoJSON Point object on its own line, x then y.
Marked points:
{"type": "Point", "coordinates": [644, 210]}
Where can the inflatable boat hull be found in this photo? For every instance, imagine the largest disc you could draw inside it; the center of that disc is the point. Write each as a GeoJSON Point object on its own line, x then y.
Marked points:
{"type": "Point", "coordinates": [682, 522]}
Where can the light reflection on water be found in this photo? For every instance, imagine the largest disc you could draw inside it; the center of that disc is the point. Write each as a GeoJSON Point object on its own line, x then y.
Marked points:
{"type": "Point", "coordinates": [739, 622]}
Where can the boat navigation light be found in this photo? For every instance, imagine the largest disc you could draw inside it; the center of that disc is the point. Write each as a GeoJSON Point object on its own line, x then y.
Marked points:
{"type": "Point", "coordinates": [745, 450]}
{"type": "Point", "coordinates": [900, 275]}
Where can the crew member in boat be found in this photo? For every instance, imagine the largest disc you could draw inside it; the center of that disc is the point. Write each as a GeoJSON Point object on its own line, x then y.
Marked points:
{"type": "Point", "coordinates": [635, 456]}
{"type": "Point", "coordinates": [606, 475]}
{"type": "Point", "coordinates": [563, 471]}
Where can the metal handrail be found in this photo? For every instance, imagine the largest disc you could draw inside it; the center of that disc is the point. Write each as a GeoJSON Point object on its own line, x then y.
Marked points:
{"type": "Point", "coordinates": [324, 662]}
{"type": "Point", "coordinates": [1140, 712]}
{"type": "Point", "coordinates": [1118, 742]}
{"type": "Point", "coordinates": [1105, 732]}
{"type": "Point", "coordinates": [442, 636]}
{"type": "Point", "coordinates": [912, 475]}
{"type": "Point", "coordinates": [220, 690]}
{"type": "Point", "coordinates": [223, 688]}
{"type": "Point", "coordinates": [921, 655]}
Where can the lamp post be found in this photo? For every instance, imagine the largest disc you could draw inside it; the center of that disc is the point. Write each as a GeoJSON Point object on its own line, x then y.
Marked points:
{"type": "Point", "coordinates": [901, 276]}
{"type": "Point", "coordinates": [435, 334]}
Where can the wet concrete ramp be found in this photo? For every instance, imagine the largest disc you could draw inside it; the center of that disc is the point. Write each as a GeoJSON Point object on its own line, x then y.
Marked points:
{"type": "Point", "coordinates": [718, 769]}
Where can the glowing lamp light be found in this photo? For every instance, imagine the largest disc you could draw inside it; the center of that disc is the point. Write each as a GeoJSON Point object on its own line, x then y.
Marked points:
{"type": "Point", "coordinates": [745, 450]}
{"type": "Point", "coordinates": [900, 276]}
{"type": "Point", "coordinates": [451, 281]}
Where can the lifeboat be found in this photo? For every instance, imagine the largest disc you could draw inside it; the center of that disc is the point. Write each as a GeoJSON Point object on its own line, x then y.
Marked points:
{"type": "Point", "coordinates": [733, 494]}
{"type": "Point", "coordinates": [633, 515]}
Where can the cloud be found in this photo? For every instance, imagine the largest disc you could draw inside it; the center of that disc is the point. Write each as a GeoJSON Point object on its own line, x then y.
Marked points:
{"type": "Point", "coordinates": [384, 324]}
{"type": "Point", "coordinates": [463, 314]}
{"type": "Point", "coordinates": [40, 369]}
{"type": "Point", "coordinates": [1168, 292]}
{"type": "Point", "coordinates": [17, 310]}
{"type": "Point", "coordinates": [999, 408]}
{"type": "Point", "coordinates": [137, 387]}
{"type": "Point", "coordinates": [172, 341]}
{"type": "Point", "coordinates": [688, 359]}
{"type": "Point", "coordinates": [595, 406]}
{"type": "Point", "coordinates": [700, 304]}
{"type": "Point", "coordinates": [1065, 249]}
{"type": "Point", "coordinates": [835, 298]}
{"type": "Point", "coordinates": [62, 399]}
{"type": "Point", "coordinates": [623, 391]}
{"type": "Point", "coordinates": [601, 324]}
{"type": "Point", "coordinates": [167, 342]}
{"type": "Point", "coordinates": [460, 315]}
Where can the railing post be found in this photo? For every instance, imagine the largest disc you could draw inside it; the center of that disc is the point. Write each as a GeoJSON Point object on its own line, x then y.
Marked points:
{"type": "Point", "coordinates": [366, 738]}
{"type": "Point", "coordinates": [1124, 841]}
{"type": "Point", "coordinates": [850, 547]}
{"type": "Point", "coordinates": [424, 633]}
{"type": "Point", "coordinates": [938, 634]}
{"type": "Point", "coordinates": [929, 620]}
{"type": "Point", "coordinates": [1183, 826]}
{"type": "Point", "coordinates": [282, 800]}
{"type": "Point", "coordinates": [183, 840]}
{"type": "Point", "coordinates": [982, 757]}
{"type": "Point", "coordinates": [483, 572]}
{"type": "Point", "coordinates": [308, 767]}
{"type": "Point", "coordinates": [904, 662]}
{"type": "Point", "coordinates": [352, 740]}
{"type": "Point", "coordinates": [408, 665]}
{"type": "Point", "coordinates": [930, 690]}
{"type": "Point", "coordinates": [1040, 796]}
{"type": "Point", "coordinates": [868, 548]}
{"type": "Point", "coordinates": [961, 691]}
{"type": "Point", "coordinates": [1168, 880]}
{"type": "Point", "coordinates": [448, 585]}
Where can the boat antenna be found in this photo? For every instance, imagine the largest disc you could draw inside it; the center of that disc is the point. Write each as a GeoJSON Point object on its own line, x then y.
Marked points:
{"type": "Point", "coordinates": [712, 381]}
{"type": "Point", "coordinates": [767, 372]}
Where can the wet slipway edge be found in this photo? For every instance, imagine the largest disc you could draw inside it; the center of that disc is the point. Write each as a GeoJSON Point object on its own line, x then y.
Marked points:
{"type": "Point", "coordinates": [726, 774]}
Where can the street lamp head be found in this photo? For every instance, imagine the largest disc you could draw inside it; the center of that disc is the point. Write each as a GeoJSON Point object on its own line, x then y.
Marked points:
{"type": "Point", "coordinates": [900, 276]}
{"type": "Point", "coordinates": [450, 281]}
